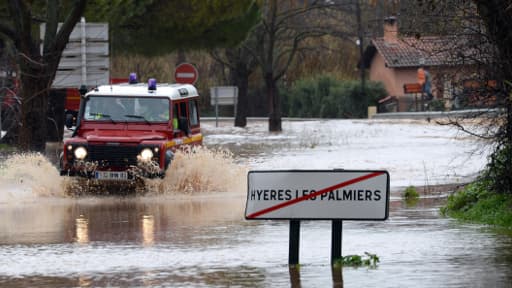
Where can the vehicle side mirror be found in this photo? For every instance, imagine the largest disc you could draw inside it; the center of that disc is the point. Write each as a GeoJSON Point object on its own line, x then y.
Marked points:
{"type": "Point", "coordinates": [69, 121]}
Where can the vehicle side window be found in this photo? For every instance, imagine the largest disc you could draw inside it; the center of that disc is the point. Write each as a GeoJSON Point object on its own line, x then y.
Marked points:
{"type": "Point", "coordinates": [194, 117]}
{"type": "Point", "coordinates": [183, 110]}
{"type": "Point", "coordinates": [175, 117]}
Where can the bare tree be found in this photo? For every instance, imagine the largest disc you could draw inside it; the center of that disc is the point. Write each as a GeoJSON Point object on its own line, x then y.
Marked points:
{"type": "Point", "coordinates": [241, 65]}
{"type": "Point", "coordinates": [281, 34]}
{"type": "Point", "coordinates": [480, 42]}
{"type": "Point", "coordinates": [37, 66]}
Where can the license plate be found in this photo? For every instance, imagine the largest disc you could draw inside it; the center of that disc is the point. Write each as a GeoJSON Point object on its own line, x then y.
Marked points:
{"type": "Point", "coordinates": [111, 175]}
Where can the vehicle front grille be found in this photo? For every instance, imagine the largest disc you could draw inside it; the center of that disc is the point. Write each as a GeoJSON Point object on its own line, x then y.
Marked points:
{"type": "Point", "coordinates": [113, 155]}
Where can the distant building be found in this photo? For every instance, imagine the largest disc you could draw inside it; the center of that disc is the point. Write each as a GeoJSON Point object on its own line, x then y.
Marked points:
{"type": "Point", "coordinates": [394, 61]}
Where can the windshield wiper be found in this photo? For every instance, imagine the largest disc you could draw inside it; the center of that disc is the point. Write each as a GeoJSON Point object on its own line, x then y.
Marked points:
{"type": "Point", "coordinates": [137, 117]}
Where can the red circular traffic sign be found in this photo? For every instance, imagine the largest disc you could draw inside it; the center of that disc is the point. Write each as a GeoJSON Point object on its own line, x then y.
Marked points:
{"type": "Point", "coordinates": [186, 73]}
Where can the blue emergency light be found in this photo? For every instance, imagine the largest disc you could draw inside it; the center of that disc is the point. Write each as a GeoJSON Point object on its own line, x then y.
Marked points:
{"type": "Point", "coordinates": [133, 78]}
{"type": "Point", "coordinates": [152, 84]}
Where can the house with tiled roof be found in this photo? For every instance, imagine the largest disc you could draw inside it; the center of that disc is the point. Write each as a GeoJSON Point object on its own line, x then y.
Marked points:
{"type": "Point", "coordinates": [395, 60]}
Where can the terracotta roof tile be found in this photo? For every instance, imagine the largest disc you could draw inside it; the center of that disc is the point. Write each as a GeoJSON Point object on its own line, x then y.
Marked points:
{"type": "Point", "coordinates": [411, 52]}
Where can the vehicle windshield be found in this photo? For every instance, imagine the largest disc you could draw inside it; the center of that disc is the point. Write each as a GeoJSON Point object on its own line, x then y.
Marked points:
{"type": "Point", "coordinates": [134, 109]}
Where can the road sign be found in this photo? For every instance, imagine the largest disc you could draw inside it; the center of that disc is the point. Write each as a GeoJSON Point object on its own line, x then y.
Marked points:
{"type": "Point", "coordinates": [186, 74]}
{"type": "Point", "coordinates": [223, 95]}
{"type": "Point", "coordinates": [318, 194]}
{"type": "Point", "coordinates": [85, 60]}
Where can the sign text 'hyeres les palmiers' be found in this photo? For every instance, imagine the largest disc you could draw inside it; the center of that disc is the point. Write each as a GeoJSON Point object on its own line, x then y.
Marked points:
{"type": "Point", "coordinates": [318, 194]}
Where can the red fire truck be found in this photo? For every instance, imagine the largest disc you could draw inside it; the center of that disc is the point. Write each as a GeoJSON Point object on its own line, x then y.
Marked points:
{"type": "Point", "coordinates": [131, 130]}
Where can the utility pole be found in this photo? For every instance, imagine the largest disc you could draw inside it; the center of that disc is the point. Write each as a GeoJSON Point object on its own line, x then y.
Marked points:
{"type": "Point", "coordinates": [360, 35]}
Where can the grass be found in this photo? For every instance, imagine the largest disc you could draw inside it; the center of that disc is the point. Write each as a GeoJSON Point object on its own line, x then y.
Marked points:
{"type": "Point", "coordinates": [474, 203]}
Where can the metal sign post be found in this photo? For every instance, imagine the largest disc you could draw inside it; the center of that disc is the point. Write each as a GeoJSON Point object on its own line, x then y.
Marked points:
{"type": "Point", "coordinates": [293, 245]}
{"type": "Point", "coordinates": [336, 240]}
{"type": "Point", "coordinates": [2, 103]}
{"type": "Point", "coordinates": [216, 96]}
{"type": "Point", "coordinates": [223, 95]}
{"type": "Point", "coordinates": [334, 195]}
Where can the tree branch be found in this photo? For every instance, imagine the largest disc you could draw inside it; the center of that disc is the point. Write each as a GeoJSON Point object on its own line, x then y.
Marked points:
{"type": "Point", "coordinates": [20, 16]}
{"type": "Point", "coordinates": [213, 53]}
{"type": "Point", "coordinates": [62, 36]}
{"type": "Point", "coordinates": [52, 22]}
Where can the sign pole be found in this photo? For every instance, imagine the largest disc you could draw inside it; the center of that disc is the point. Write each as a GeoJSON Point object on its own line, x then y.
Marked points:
{"type": "Point", "coordinates": [216, 107]}
{"type": "Point", "coordinates": [83, 49]}
{"type": "Point", "coordinates": [235, 100]}
{"type": "Point", "coordinates": [336, 239]}
{"type": "Point", "coordinates": [1, 103]}
{"type": "Point", "coordinates": [293, 243]}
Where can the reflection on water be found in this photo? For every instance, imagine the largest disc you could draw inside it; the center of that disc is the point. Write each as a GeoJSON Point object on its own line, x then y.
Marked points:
{"type": "Point", "coordinates": [204, 241]}
{"type": "Point", "coordinates": [337, 277]}
{"type": "Point", "coordinates": [294, 271]}
{"type": "Point", "coordinates": [82, 229]}
{"type": "Point", "coordinates": [148, 229]}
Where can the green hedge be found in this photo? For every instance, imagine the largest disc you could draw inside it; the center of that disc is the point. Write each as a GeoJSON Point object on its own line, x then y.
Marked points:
{"type": "Point", "coordinates": [326, 97]}
{"type": "Point", "coordinates": [476, 204]}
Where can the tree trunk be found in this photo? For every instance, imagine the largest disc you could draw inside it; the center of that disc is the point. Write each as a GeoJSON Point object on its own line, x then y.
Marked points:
{"type": "Point", "coordinates": [55, 116]}
{"type": "Point", "coordinates": [33, 115]}
{"type": "Point", "coordinates": [240, 78]}
{"type": "Point", "coordinates": [274, 103]}
{"type": "Point", "coordinates": [33, 118]}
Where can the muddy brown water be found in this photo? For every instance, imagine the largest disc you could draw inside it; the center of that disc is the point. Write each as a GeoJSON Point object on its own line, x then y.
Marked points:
{"type": "Point", "coordinates": [192, 235]}
{"type": "Point", "coordinates": [205, 242]}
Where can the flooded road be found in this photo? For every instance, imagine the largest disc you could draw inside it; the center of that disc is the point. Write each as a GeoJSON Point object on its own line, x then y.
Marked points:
{"type": "Point", "coordinates": [205, 242]}
{"type": "Point", "coordinates": [193, 233]}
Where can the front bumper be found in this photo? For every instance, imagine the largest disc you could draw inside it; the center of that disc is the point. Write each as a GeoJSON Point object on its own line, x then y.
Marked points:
{"type": "Point", "coordinates": [93, 175]}
{"type": "Point", "coordinates": [120, 160]}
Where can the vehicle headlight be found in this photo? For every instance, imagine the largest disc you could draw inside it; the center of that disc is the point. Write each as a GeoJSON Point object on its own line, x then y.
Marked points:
{"type": "Point", "coordinates": [80, 153]}
{"type": "Point", "coordinates": [146, 154]}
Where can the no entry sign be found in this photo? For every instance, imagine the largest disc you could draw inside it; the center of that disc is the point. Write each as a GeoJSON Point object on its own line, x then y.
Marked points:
{"type": "Point", "coordinates": [186, 74]}
{"type": "Point", "coordinates": [319, 194]}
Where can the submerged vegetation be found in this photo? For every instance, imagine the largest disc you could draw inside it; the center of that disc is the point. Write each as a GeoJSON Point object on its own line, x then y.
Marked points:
{"type": "Point", "coordinates": [368, 260]}
{"type": "Point", "coordinates": [476, 203]}
{"type": "Point", "coordinates": [411, 196]}
{"type": "Point", "coordinates": [410, 193]}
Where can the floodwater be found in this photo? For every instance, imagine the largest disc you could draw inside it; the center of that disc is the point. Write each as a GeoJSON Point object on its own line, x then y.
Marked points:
{"type": "Point", "coordinates": [189, 231]}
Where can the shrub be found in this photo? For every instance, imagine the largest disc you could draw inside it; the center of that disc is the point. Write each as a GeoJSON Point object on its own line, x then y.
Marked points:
{"type": "Point", "coordinates": [436, 105]}
{"type": "Point", "coordinates": [475, 203]}
{"type": "Point", "coordinates": [411, 193]}
{"type": "Point", "coordinates": [326, 97]}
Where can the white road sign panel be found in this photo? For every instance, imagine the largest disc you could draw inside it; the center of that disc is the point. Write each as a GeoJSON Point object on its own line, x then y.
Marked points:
{"type": "Point", "coordinates": [223, 95]}
{"type": "Point", "coordinates": [185, 75]}
{"type": "Point", "coordinates": [85, 60]}
{"type": "Point", "coordinates": [318, 194]}
{"type": "Point", "coordinates": [94, 31]}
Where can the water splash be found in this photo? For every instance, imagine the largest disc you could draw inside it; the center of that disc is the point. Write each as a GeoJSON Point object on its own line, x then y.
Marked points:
{"type": "Point", "coordinates": [198, 169]}
{"type": "Point", "coordinates": [27, 176]}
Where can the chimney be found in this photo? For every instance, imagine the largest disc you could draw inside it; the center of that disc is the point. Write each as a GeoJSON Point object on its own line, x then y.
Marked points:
{"type": "Point", "coordinates": [391, 29]}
